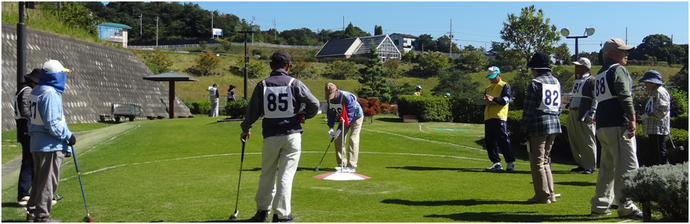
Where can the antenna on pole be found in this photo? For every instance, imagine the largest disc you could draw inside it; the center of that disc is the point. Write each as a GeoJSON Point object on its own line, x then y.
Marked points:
{"type": "Point", "coordinates": [451, 38]}
{"type": "Point", "coordinates": [275, 30]}
{"type": "Point", "coordinates": [626, 36]}
{"type": "Point", "coordinates": [252, 24]}
{"type": "Point", "coordinates": [343, 22]}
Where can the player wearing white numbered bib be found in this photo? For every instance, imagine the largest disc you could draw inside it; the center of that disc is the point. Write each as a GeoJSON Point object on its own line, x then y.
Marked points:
{"type": "Point", "coordinates": [540, 125]}
{"type": "Point", "coordinates": [656, 120]}
{"type": "Point", "coordinates": [50, 139]}
{"type": "Point", "coordinates": [581, 132]}
{"type": "Point", "coordinates": [278, 98]}
{"type": "Point", "coordinates": [213, 97]}
{"type": "Point", "coordinates": [21, 116]}
{"type": "Point", "coordinates": [615, 130]}
{"type": "Point", "coordinates": [337, 100]}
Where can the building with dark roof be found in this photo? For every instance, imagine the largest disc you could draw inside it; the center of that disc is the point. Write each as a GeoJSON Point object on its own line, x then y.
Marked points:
{"type": "Point", "coordinates": [359, 47]}
{"type": "Point", "coordinates": [404, 42]}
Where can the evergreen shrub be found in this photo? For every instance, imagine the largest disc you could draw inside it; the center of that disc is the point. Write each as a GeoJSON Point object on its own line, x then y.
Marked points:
{"type": "Point", "coordinates": [464, 110]}
{"type": "Point", "coordinates": [425, 108]}
{"type": "Point", "coordinates": [680, 122]}
{"type": "Point", "coordinates": [201, 107]}
{"type": "Point", "coordinates": [667, 185]}
{"type": "Point", "coordinates": [237, 108]}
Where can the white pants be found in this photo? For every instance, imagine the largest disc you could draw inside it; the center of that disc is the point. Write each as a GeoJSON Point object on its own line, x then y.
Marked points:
{"type": "Point", "coordinates": [618, 156]}
{"type": "Point", "coordinates": [285, 149]}
{"type": "Point", "coordinates": [214, 108]}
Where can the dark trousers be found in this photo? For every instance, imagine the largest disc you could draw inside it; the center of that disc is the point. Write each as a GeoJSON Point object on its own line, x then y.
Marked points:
{"type": "Point", "coordinates": [26, 172]}
{"type": "Point", "coordinates": [496, 139]}
{"type": "Point", "coordinates": [655, 153]}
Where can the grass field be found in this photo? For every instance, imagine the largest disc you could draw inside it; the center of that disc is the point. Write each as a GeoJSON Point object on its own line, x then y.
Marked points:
{"type": "Point", "coordinates": [186, 170]}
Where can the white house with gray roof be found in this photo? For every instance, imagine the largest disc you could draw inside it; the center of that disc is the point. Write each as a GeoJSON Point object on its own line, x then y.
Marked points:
{"type": "Point", "coordinates": [359, 47]}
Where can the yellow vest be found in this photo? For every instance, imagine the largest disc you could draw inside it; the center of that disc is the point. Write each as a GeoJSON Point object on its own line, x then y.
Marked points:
{"type": "Point", "coordinates": [493, 110]}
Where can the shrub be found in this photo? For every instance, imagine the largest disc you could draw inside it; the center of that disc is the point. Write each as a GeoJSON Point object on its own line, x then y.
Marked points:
{"type": "Point", "coordinates": [201, 107]}
{"type": "Point", "coordinates": [341, 70]}
{"type": "Point", "coordinates": [679, 102]}
{"type": "Point", "coordinates": [205, 63]}
{"type": "Point", "coordinates": [667, 185]}
{"type": "Point", "coordinates": [385, 108]}
{"type": "Point", "coordinates": [393, 110]}
{"type": "Point", "coordinates": [680, 122]}
{"type": "Point", "coordinates": [425, 108]}
{"type": "Point", "coordinates": [680, 138]}
{"type": "Point", "coordinates": [237, 108]}
{"type": "Point", "coordinates": [370, 107]}
{"type": "Point", "coordinates": [464, 110]}
{"type": "Point", "coordinates": [258, 52]}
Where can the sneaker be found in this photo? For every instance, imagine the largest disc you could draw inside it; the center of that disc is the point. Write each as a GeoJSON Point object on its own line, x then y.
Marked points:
{"type": "Point", "coordinates": [47, 219]}
{"type": "Point", "coordinates": [289, 218]}
{"type": "Point", "coordinates": [510, 167]}
{"type": "Point", "coordinates": [533, 201]}
{"type": "Point", "coordinates": [30, 217]}
{"type": "Point", "coordinates": [596, 214]}
{"type": "Point", "coordinates": [23, 201]}
{"type": "Point", "coordinates": [495, 167]}
{"type": "Point", "coordinates": [637, 215]}
{"type": "Point", "coordinates": [260, 216]}
{"type": "Point", "coordinates": [52, 203]}
{"type": "Point", "coordinates": [553, 198]}
{"type": "Point", "coordinates": [350, 170]}
{"type": "Point", "coordinates": [577, 169]}
{"type": "Point", "coordinates": [588, 172]}
{"type": "Point", "coordinates": [338, 168]}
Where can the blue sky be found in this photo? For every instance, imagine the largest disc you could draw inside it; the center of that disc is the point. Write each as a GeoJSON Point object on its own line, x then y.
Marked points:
{"type": "Point", "coordinates": [475, 23]}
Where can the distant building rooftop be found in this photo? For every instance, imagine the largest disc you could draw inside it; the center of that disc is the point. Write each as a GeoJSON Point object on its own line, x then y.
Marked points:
{"type": "Point", "coordinates": [118, 25]}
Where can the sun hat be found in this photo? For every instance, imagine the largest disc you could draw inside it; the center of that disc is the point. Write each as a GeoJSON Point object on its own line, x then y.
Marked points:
{"type": "Point", "coordinates": [539, 61]}
{"type": "Point", "coordinates": [652, 76]}
{"type": "Point", "coordinates": [584, 62]}
{"type": "Point", "coordinates": [34, 76]}
{"type": "Point", "coordinates": [616, 44]}
{"type": "Point", "coordinates": [492, 72]}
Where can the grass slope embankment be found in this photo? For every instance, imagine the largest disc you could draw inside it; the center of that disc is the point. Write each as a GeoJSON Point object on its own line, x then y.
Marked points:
{"type": "Point", "coordinates": [187, 170]}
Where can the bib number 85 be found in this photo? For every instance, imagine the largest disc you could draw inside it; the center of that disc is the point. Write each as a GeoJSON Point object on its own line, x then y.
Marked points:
{"type": "Point", "coordinates": [280, 102]}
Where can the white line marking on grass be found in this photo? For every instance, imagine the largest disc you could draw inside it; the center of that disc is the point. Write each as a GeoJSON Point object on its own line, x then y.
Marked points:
{"type": "Point", "coordinates": [420, 129]}
{"type": "Point", "coordinates": [426, 140]}
{"type": "Point", "coordinates": [258, 153]}
{"type": "Point", "coordinates": [624, 221]}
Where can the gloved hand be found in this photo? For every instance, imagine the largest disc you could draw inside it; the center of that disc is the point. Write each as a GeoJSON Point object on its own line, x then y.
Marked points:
{"type": "Point", "coordinates": [330, 133]}
{"type": "Point", "coordinates": [72, 141]}
{"type": "Point", "coordinates": [337, 133]}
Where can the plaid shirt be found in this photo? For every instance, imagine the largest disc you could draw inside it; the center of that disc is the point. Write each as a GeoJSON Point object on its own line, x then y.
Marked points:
{"type": "Point", "coordinates": [660, 123]}
{"type": "Point", "coordinates": [535, 122]}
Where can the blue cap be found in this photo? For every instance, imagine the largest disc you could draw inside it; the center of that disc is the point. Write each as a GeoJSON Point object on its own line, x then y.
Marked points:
{"type": "Point", "coordinates": [492, 72]}
{"type": "Point", "coordinates": [418, 87]}
{"type": "Point", "coordinates": [448, 94]}
{"type": "Point", "coordinates": [652, 76]}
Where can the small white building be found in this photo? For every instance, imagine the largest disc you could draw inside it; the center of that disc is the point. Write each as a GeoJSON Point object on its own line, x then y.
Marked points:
{"type": "Point", "coordinates": [359, 47]}
{"type": "Point", "coordinates": [114, 32]}
{"type": "Point", "coordinates": [404, 42]}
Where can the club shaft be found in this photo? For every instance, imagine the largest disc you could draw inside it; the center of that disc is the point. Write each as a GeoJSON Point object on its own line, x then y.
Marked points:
{"type": "Point", "coordinates": [240, 180]}
{"type": "Point", "coordinates": [76, 165]}
{"type": "Point", "coordinates": [324, 153]}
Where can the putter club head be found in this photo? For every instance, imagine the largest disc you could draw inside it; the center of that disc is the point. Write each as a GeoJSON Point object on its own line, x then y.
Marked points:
{"type": "Point", "coordinates": [234, 215]}
{"type": "Point", "coordinates": [88, 219]}
{"type": "Point", "coordinates": [316, 169]}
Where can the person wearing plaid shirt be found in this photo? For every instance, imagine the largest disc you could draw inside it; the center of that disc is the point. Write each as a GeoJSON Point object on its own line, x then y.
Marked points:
{"type": "Point", "coordinates": [540, 125]}
{"type": "Point", "coordinates": [655, 120]}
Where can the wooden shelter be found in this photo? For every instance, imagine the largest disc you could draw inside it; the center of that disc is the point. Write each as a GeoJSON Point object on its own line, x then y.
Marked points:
{"type": "Point", "coordinates": [171, 77]}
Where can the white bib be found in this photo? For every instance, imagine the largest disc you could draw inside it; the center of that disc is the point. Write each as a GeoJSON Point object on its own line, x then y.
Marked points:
{"type": "Point", "coordinates": [601, 87]}
{"type": "Point", "coordinates": [278, 101]}
{"type": "Point", "coordinates": [17, 114]}
{"type": "Point", "coordinates": [550, 97]}
{"type": "Point", "coordinates": [36, 117]}
{"type": "Point", "coordinates": [650, 105]}
{"type": "Point", "coordinates": [336, 108]}
{"type": "Point", "coordinates": [577, 87]}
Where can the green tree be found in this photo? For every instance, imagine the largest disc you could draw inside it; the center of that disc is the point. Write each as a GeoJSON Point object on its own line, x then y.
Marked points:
{"type": "Point", "coordinates": [443, 45]}
{"type": "Point", "coordinates": [300, 69]}
{"type": "Point", "coordinates": [378, 30]}
{"type": "Point", "coordinates": [391, 67]}
{"type": "Point", "coordinates": [353, 31]}
{"type": "Point", "coordinates": [563, 54]}
{"type": "Point", "coordinates": [226, 45]}
{"type": "Point", "coordinates": [77, 16]}
{"type": "Point", "coordinates": [160, 60]}
{"type": "Point", "coordinates": [656, 45]}
{"type": "Point", "coordinates": [256, 68]}
{"type": "Point", "coordinates": [432, 63]}
{"type": "Point", "coordinates": [202, 45]}
{"type": "Point", "coordinates": [456, 82]}
{"type": "Point", "coordinates": [373, 78]}
{"type": "Point", "coordinates": [565, 76]}
{"type": "Point", "coordinates": [473, 60]}
{"type": "Point", "coordinates": [425, 42]}
{"type": "Point", "coordinates": [407, 57]}
{"type": "Point", "coordinates": [206, 63]}
{"type": "Point", "coordinates": [529, 32]}
{"type": "Point", "coordinates": [342, 70]}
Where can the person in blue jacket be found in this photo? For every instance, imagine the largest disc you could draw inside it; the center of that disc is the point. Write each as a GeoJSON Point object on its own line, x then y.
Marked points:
{"type": "Point", "coordinates": [51, 139]}
{"type": "Point", "coordinates": [337, 100]}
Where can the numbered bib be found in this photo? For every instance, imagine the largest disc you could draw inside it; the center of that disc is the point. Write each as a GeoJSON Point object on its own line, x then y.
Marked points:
{"type": "Point", "coordinates": [601, 86]}
{"type": "Point", "coordinates": [649, 106]}
{"type": "Point", "coordinates": [17, 114]}
{"type": "Point", "coordinates": [550, 98]}
{"type": "Point", "coordinates": [577, 87]}
{"type": "Point", "coordinates": [278, 101]}
{"type": "Point", "coordinates": [336, 108]}
{"type": "Point", "coordinates": [36, 118]}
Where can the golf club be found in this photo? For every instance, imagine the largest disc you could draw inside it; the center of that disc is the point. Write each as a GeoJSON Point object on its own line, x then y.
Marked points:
{"type": "Point", "coordinates": [234, 215]}
{"type": "Point", "coordinates": [87, 218]}
{"type": "Point", "coordinates": [324, 155]}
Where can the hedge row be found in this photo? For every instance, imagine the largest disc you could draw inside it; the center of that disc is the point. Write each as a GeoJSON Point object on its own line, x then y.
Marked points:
{"type": "Point", "coordinates": [430, 108]}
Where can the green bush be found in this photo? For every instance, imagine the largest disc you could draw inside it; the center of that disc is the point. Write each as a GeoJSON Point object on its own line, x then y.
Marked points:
{"type": "Point", "coordinates": [514, 118]}
{"type": "Point", "coordinates": [679, 102]}
{"type": "Point", "coordinates": [425, 108]}
{"type": "Point", "coordinates": [237, 108]}
{"type": "Point", "coordinates": [464, 110]}
{"type": "Point", "coordinates": [680, 122]}
{"type": "Point", "coordinates": [201, 107]}
{"type": "Point", "coordinates": [680, 138]}
{"type": "Point", "coordinates": [667, 185]}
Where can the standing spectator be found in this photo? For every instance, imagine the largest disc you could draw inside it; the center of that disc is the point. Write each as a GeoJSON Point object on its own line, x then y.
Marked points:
{"type": "Point", "coordinates": [21, 116]}
{"type": "Point", "coordinates": [337, 101]}
{"type": "Point", "coordinates": [50, 139]}
{"type": "Point", "coordinates": [581, 130]}
{"type": "Point", "coordinates": [447, 95]}
{"type": "Point", "coordinates": [418, 90]}
{"type": "Point", "coordinates": [615, 130]}
{"type": "Point", "coordinates": [497, 97]}
{"type": "Point", "coordinates": [278, 99]}
{"type": "Point", "coordinates": [213, 96]}
{"type": "Point", "coordinates": [540, 125]}
{"type": "Point", "coordinates": [231, 93]}
{"type": "Point", "coordinates": [656, 120]}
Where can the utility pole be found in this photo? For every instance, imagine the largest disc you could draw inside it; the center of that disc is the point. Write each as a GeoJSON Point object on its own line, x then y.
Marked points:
{"type": "Point", "coordinates": [156, 31]}
{"type": "Point", "coordinates": [21, 46]}
{"type": "Point", "coordinates": [252, 32]}
{"type": "Point", "coordinates": [275, 30]}
{"type": "Point", "coordinates": [626, 36]}
{"type": "Point", "coordinates": [451, 38]}
{"type": "Point", "coordinates": [212, 36]}
{"type": "Point", "coordinates": [343, 23]}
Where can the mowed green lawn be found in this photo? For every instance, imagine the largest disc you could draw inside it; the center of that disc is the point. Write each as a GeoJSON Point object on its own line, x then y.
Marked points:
{"type": "Point", "coordinates": [186, 170]}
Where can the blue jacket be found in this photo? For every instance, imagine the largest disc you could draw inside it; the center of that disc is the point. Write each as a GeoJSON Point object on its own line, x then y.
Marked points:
{"type": "Point", "coordinates": [354, 110]}
{"type": "Point", "coordinates": [48, 130]}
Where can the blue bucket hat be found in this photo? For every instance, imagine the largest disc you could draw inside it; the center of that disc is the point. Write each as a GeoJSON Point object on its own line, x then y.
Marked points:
{"type": "Point", "coordinates": [492, 72]}
{"type": "Point", "coordinates": [448, 94]}
{"type": "Point", "coordinates": [652, 76]}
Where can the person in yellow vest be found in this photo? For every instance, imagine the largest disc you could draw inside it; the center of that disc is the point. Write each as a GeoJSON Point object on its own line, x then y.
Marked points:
{"type": "Point", "coordinates": [418, 90]}
{"type": "Point", "coordinates": [497, 97]}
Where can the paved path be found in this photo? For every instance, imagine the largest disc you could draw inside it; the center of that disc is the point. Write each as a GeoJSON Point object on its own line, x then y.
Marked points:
{"type": "Point", "coordinates": [16, 163]}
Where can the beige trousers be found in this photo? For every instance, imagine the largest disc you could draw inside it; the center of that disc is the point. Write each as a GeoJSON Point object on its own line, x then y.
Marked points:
{"type": "Point", "coordinates": [353, 146]}
{"type": "Point", "coordinates": [618, 156]}
{"type": "Point", "coordinates": [583, 144]}
{"type": "Point", "coordinates": [540, 164]}
{"type": "Point", "coordinates": [284, 150]}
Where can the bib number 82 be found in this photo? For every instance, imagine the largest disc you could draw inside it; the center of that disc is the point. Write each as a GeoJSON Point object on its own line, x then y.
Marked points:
{"type": "Point", "coordinates": [551, 101]}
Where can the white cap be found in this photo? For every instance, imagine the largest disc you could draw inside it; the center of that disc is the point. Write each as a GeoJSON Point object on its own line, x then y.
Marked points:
{"type": "Point", "coordinates": [54, 66]}
{"type": "Point", "coordinates": [584, 62]}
